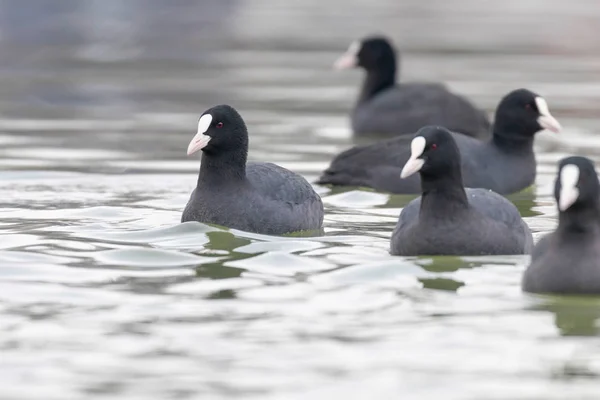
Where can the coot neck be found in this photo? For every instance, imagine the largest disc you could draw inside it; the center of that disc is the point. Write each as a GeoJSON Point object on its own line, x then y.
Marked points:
{"type": "Point", "coordinates": [223, 168]}
{"type": "Point", "coordinates": [579, 219]}
{"type": "Point", "coordinates": [378, 79]}
{"type": "Point", "coordinates": [505, 139]}
{"type": "Point", "coordinates": [442, 197]}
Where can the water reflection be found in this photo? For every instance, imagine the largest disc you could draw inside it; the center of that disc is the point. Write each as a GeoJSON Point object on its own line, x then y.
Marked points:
{"type": "Point", "coordinates": [224, 241]}
{"type": "Point", "coordinates": [574, 316]}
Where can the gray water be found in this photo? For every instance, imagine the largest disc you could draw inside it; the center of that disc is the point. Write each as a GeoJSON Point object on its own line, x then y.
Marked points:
{"type": "Point", "coordinates": [104, 295]}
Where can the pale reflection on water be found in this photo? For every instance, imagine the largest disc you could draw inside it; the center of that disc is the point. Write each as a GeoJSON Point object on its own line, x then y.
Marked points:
{"type": "Point", "coordinates": [104, 294]}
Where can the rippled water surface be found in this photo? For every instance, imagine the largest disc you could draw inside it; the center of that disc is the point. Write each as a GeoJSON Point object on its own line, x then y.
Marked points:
{"type": "Point", "coordinates": [104, 294]}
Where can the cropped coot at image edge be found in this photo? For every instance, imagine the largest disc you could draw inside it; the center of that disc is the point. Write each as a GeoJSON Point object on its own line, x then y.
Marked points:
{"type": "Point", "coordinates": [567, 261]}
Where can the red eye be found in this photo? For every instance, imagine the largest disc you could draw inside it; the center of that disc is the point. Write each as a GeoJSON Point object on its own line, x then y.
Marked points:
{"type": "Point", "coordinates": [527, 106]}
{"type": "Point", "coordinates": [433, 146]}
{"type": "Point", "coordinates": [219, 124]}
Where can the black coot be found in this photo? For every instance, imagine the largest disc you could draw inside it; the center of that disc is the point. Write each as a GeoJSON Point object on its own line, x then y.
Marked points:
{"type": "Point", "coordinates": [505, 163]}
{"type": "Point", "coordinates": [258, 197]}
{"type": "Point", "coordinates": [446, 219]}
{"type": "Point", "coordinates": [385, 108]}
{"type": "Point", "coordinates": [568, 260]}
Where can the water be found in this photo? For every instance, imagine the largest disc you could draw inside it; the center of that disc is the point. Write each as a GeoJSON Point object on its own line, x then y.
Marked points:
{"type": "Point", "coordinates": [103, 294]}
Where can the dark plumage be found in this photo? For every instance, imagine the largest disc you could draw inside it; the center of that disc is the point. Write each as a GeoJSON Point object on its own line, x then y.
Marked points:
{"type": "Point", "coordinates": [568, 259]}
{"type": "Point", "coordinates": [446, 220]}
{"type": "Point", "coordinates": [505, 164]}
{"type": "Point", "coordinates": [258, 197]}
{"type": "Point", "coordinates": [385, 108]}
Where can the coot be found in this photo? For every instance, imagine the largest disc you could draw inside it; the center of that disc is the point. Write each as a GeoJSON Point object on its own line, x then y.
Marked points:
{"type": "Point", "coordinates": [505, 163]}
{"type": "Point", "coordinates": [568, 260]}
{"type": "Point", "coordinates": [257, 197]}
{"type": "Point", "coordinates": [386, 108]}
{"type": "Point", "coordinates": [446, 219]}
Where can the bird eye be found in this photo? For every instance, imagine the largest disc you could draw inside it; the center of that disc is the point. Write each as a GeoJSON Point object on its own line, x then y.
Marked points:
{"type": "Point", "coordinates": [433, 146]}
{"type": "Point", "coordinates": [219, 124]}
{"type": "Point", "coordinates": [528, 106]}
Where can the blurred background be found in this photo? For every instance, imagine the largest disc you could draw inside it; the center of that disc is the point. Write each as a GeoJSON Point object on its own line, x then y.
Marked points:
{"type": "Point", "coordinates": [119, 60]}
{"type": "Point", "coordinates": [103, 294]}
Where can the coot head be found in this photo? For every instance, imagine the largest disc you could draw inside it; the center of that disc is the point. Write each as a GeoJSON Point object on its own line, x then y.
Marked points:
{"type": "Point", "coordinates": [220, 129]}
{"type": "Point", "coordinates": [523, 113]}
{"type": "Point", "coordinates": [576, 185]}
{"type": "Point", "coordinates": [370, 53]}
{"type": "Point", "coordinates": [433, 152]}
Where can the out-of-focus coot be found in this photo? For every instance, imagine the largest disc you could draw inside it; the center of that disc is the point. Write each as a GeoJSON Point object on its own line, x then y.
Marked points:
{"type": "Point", "coordinates": [386, 108]}
{"type": "Point", "coordinates": [505, 163]}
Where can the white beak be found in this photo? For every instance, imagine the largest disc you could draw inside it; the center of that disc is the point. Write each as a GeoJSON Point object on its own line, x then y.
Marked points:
{"type": "Point", "coordinates": [546, 120]}
{"type": "Point", "coordinates": [569, 176]}
{"type": "Point", "coordinates": [414, 163]}
{"type": "Point", "coordinates": [200, 140]}
{"type": "Point", "coordinates": [349, 59]}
